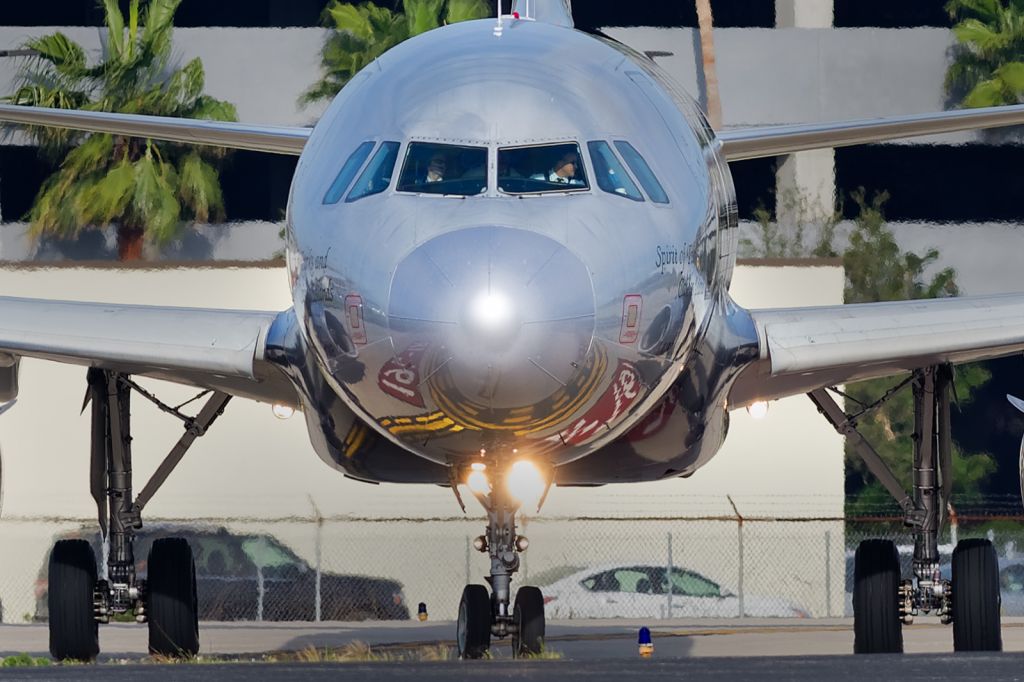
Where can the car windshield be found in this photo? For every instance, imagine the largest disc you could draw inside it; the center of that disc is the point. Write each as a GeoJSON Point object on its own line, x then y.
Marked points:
{"type": "Point", "coordinates": [268, 553]}
{"type": "Point", "coordinates": [444, 169]}
{"type": "Point", "coordinates": [348, 171]}
{"type": "Point", "coordinates": [693, 585]}
{"type": "Point", "coordinates": [609, 173]}
{"type": "Point", "coordinates": [535, 170]}
{"type": "Point", "coordinates": [643, 172]}
{"type": "Point", "coordinates": [377, 176]}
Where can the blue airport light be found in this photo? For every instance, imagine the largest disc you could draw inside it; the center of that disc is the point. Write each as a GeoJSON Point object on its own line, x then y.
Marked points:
{"type": "Point", "coordinates": [645, 643]}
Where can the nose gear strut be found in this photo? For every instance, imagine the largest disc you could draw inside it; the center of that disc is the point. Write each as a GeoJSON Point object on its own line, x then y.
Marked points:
{"type": "Point", "coordinates": [481, 618]}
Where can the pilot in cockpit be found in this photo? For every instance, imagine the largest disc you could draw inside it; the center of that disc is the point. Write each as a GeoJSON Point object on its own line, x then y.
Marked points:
{"type": "Point", "coordinates": [563, 172]}
{"type": "Point", "coordinates": [436, 169]}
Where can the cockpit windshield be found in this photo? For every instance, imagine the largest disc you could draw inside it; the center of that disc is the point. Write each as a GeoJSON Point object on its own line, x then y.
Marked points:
{"type": "Point", "coordinates": [444, 169]}
{"type": "Point", "coordinates": [550, 168]}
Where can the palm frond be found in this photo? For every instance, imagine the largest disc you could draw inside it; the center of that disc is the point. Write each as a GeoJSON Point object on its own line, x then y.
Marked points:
{"type": "Point", "coordinates": [466, 10]}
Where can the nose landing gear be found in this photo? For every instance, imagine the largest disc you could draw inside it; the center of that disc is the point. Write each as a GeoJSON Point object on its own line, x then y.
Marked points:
{"type": "Point", "coordinates": [482, 616]}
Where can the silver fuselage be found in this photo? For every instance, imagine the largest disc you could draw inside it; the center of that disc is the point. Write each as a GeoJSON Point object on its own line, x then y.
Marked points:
{"type": "Point", "coordinates": [396, 381]}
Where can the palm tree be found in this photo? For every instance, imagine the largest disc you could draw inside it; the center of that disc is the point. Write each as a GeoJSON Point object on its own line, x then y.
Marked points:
{"type": "Point", "coordinates": [988, 65]}
{"type": "Point", "coordinates": [143, 187]}
{"type": "Point", "coordinates": [364, 32]}
{"type": "Point", "coordinates": [705, 21]}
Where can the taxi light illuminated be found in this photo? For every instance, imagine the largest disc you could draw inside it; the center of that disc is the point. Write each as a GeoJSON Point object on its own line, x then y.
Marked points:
{"type": "Point", "coordinates": [758, 410]}
{"type": "Point", "coordinates": [478, 483]}
{"type": "Point", "coordinates": [525, 482]}
{"type": "Point", "coordinates": [283, 411]}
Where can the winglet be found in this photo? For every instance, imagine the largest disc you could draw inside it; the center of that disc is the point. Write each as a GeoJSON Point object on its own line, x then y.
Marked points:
{"type": "Point", "coordinates": [1016, 402]}
{"type": "Point", "coordinates": [558, 12]}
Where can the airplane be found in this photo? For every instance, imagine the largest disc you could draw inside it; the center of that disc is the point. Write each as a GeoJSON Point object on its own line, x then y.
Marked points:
{"type": "Point", "coordinates": [509, 247]}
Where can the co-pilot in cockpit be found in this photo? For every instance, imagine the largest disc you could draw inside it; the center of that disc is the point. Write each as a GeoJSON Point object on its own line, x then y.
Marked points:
{"type": "Point", "coordinates": [444, 169]}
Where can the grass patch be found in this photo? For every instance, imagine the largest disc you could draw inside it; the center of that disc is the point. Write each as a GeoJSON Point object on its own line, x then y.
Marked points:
{"type": "Point", "coordinates": [24, 661]}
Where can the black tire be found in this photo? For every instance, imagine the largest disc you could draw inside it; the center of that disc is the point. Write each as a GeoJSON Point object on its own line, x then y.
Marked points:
{"type": "Point", "coordinates": [976, 598]}
{"type": "Point", "coordinates": [171, 605]}
{"type": "Point", "coordinates": [877, 628]}
{"type": "Point", "coordinates": [474, 627]}
{"type": "Point", "coordinates": [528, 618]}
{"type": "Point", "coordinates": [74, 631]}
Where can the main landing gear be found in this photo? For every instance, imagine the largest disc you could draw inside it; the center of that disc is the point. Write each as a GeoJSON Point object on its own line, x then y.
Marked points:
{"type": "Point", "coordinates": [78, 599]}
{"type": "Point", "coordinates": [882, 600]}
{"type": "Point", "coordinates": [483, 615]}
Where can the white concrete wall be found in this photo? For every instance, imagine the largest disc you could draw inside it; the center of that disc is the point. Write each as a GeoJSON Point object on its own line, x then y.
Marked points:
{"type": "Point", "coordinates": [255, 466]}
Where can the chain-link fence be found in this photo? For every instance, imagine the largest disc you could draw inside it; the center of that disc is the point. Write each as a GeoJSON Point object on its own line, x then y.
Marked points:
{"type": "Point", "coordinates": [651, 568]}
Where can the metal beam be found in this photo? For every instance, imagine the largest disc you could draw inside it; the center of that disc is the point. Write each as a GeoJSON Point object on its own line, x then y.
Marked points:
{"type": "Point", "coordinates": [213, 408]}
{"type": "Point", "coordinates": [831, 410]}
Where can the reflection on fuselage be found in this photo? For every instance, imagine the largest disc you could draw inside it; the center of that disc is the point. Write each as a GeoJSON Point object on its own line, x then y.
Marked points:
{"type": "Point", "coordinates": [526, 259]}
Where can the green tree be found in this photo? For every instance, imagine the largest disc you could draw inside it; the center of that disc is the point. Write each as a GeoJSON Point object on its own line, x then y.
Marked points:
{"type": "Point", "coordinates": [364, 32]}
{"type": "Point", "coordinates": [878, 270]}
{"type": "Point", "coordinates": [988, 63]}
{"type": "Point", "coordinates": [146, 189]}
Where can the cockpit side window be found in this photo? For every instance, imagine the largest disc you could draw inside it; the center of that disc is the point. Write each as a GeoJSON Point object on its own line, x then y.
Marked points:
{"type": "Point", "coordinates": [348, 171]}
{"type": "Point", "coordinates": [534, 170]}
{"type": "Point", "coordinates": [377, 176]}
{"type": "Point", "coordinates": [609, 173]}
{"type": "Point", "coordinates": [444, 169]}
{"type": "Point", "coordinates": [643, 172]}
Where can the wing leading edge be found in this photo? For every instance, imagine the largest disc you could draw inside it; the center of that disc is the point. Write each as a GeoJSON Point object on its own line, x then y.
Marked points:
{"type": "Point", "coordinates": [803, 349]}
{"type": "Point", "coordinates": [217, 349]}
{"type": "Point", "coordinates": [272, 139]}
{"type": "Point", "coordinates": [752, 143]}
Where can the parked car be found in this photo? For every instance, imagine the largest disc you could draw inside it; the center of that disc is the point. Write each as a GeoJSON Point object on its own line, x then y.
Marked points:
{"type": "Point", "coordinates": [231, 568]}
{"type": "Point", "coordinates": [642, 591]}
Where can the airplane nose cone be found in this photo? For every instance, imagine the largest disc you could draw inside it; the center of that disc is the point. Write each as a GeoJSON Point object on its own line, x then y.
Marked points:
{"type": "Point", "coordinates": [502, 317]}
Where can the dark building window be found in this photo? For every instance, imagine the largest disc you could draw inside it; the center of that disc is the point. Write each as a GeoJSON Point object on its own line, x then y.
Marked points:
{"type": "Point", "coordinates": [243, 13]}
{"type": "Point", "coordinates": [891, 13]}
{"type": "Point", "coordinates": [969, 183]}
{"type": "Point", "coordinates": [593, 14]}
{"type": "Point", "coordinates": [22, 173]}
{"type": "Point", "coordinates": [589, 14]}
{"type": "Point", "coordinates": [755, 185]}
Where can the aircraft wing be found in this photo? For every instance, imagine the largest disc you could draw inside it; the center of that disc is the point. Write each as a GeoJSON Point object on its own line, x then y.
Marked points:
{"type": "Point", "coordinates": [802, 349]}
{"type": "Point", "coordinates": [217, 349]}
{"type": "Point", "coordinates": [752, 143]}
{"type": "Point", "coordinates": [273, 139]}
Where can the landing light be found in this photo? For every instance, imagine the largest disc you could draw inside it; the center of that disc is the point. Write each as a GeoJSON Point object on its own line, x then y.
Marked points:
{"type": "Point", "coordinates": [758, 410]}
{"type": "Point", "coordinates": [478, 483]}
{"type": "Point", "coordinates": [283, 411]}
{"type": "Point", "coordinates": [491, 311]}
{"type": "Point", "coordinates": [525, 482]}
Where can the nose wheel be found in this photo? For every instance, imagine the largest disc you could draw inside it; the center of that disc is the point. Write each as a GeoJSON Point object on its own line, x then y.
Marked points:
{"type": "Point", "coordinates": [475, 620]}
{"type": "Point", "coordinates": [528, 619]}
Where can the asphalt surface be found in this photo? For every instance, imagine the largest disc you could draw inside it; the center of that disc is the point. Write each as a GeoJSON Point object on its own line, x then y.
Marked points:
{"type": "Point", "coordinates": [593, 650]}
{"type": "Point", "coordinates": [912, 667]}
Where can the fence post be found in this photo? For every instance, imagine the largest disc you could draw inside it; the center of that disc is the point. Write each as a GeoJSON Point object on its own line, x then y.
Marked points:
{"type": "Point", "coordinates": [828, 574]}
{"type": "Point", "coordinates": [468, 548]}
{"type": "Point", "coordinates": [319, 571]}
{"type": "Point", "coordinates": [668, 575]}
{"type": "Point", "coordinates": [259, 593]}
{"type": "Point", "coordinates": [739, 535]}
